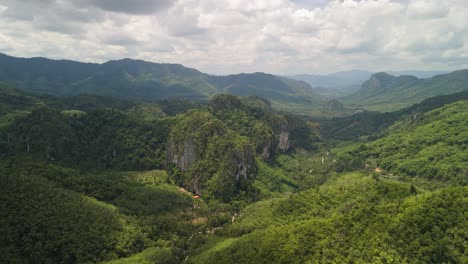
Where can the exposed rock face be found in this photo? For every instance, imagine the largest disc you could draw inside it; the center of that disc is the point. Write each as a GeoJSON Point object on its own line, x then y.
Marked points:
{"type": "Point", "coordinates": [185, 158]}
{"type": "Point", "coordinates": [266, 150]}
{"type": "Point", "coordinates": [333, 106]}
{"type": "Point", "coordinates": [283, 142]}
{"type": "Point", "coordinates": [244, 162]}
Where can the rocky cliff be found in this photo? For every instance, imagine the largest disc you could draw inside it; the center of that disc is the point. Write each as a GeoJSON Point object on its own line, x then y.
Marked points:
{"type": "Point", "coordinates": [283, 141]}
{"type": "Point", "coordinates": [182, 155]}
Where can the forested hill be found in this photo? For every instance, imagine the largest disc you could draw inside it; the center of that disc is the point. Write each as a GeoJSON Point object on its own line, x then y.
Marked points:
{"type": "Point", "coordinates": [141, 80]}
{"type": "Point", "coordinates": [385, 92]}
{"type": "Point", "coordinates": [429, 145]}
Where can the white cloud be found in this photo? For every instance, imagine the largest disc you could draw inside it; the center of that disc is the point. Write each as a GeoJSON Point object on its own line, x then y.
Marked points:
{"type": "Point", "coordinates": [423, 9]}
{"type": "Point", "coordinates": [278, 36]}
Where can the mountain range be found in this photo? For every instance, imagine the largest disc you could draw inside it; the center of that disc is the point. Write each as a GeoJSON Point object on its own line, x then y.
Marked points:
{"type": "Point", "coordinates": [141, 80]}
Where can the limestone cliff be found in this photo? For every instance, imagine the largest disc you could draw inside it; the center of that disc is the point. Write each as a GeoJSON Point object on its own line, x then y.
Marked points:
{"type": "Point", "coordinates": [244, 163]}
{"type": "Point", "coordinates": [266, 150]}
{"type": "Point", "coordinates": [183, 156]}
{"type": "Point", "coordinates": [283, 141]}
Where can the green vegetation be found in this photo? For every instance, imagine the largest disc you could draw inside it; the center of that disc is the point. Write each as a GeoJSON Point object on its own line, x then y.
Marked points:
{"type": "Point", "coordinates": [91, 179]}
{"type": "Point", "coordinates": [98, 139]}
{"type": "Point", "coordinates": [431, 146]}
{"type": "Point", "coordinates": [352, 219]}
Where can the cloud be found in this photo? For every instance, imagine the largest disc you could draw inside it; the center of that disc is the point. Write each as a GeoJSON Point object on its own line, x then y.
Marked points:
{"type": "Point", "coordinates": [423, 9]}
{"type": "Point", "coordinates": [138, 7]}
{"type": "Point", "coordinates": [279, 36]}
{"type": "Point", "coordinates": [119, 39]}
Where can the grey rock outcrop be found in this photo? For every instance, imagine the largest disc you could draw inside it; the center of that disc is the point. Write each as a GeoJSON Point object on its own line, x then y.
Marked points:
{"type": "Point", "coordinates": [245, 162]}
{"type": "Point", "coordinates": [266, 150]}
{"type": "Point", "coordinates": [283, 141]}
{"type": "Point", "coordinates": [183, 156]}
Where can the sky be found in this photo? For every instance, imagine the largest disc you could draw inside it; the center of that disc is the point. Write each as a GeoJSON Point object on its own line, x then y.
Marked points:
{"type": "Point", "coordinates": [232, 36]}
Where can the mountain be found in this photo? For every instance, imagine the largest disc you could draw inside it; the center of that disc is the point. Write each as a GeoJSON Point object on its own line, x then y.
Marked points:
{"type": "Point", "coordinates": [141, 80]}
{"type": "Point", "coordinates": [385, 92]}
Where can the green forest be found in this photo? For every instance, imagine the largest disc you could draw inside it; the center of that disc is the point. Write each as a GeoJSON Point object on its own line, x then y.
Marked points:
{"type": "Point", "coordinates": [95, 179]}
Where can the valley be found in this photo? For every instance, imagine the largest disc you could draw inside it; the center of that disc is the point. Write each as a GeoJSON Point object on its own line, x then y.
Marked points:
{"type": "Point", "coordinates": [231, 179]}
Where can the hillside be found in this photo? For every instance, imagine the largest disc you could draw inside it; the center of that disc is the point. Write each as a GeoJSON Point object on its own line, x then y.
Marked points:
{"type": "Point", "coordinates": [385, 92]}
{"type": "Point", "coordinates": [353, 219]}
{"type": "Point", "coordinates": [431, 145]}
{"type": "Point", "coordinates": [141, 80]}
